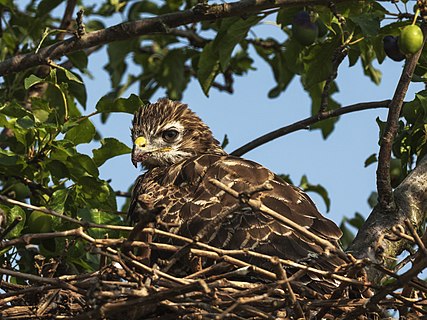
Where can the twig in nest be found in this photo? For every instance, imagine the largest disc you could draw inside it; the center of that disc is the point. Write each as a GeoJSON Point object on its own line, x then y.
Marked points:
{"type": "Point", "coordinates": [281, 275]}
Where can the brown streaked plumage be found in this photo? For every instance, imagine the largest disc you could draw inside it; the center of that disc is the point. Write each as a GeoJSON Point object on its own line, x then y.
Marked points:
{"type": "Point", "coordinates": [181, 155]}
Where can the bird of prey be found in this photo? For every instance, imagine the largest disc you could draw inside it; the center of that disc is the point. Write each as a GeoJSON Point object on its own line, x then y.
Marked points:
{"type": "Point", "coordinates": [182, 158]}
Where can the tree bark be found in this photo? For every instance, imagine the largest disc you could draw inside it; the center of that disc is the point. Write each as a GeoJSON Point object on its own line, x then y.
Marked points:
{"type": "Point", "coordinates": [411, 204]}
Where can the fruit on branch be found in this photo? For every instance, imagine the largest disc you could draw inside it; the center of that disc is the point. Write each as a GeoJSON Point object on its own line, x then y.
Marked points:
{"type": "Point", "coordinates": [411, 39]}
{"type": "Point", "coordinates": [304, 29]}
{"type": "Point", "coordinates": [21, 191]}
{"type": "Point", "coordinates": [39, 222]}
{"type": "Point", "coordinates": [391, 48]}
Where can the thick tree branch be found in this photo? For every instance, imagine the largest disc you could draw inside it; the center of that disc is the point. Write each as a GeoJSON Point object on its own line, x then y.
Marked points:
{"type": "Point", "coordinates": [303, 124]}
{"type": "Point", "coordinates": [162, 23]}
{"type": "Point", "coordinates": [385, 192]}
{"type": "Point", "coordinates": [411, 201]}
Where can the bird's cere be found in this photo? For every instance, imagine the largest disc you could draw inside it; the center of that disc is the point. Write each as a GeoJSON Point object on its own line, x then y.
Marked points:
{"type": "Point", "coordinates": [141, 142]}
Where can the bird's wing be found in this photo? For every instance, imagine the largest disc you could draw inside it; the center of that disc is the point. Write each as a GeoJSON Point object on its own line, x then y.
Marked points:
{"type": "Point", "coordinates": [196, 208]}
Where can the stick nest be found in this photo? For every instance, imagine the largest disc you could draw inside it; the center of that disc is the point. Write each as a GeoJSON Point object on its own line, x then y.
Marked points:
{"type": "Point", "coordinates": [125, 286]}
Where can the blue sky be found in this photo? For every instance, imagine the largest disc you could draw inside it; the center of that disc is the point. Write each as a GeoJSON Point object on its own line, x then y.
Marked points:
{"type": "Point", "coordinates": [336, 163]}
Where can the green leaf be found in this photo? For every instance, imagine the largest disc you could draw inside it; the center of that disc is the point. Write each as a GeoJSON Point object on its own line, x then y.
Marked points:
{"type": "Point", "coordinates": [100, 217]}
{"type": "Point", "coordinates": [79, 60]}
{"type": "Point", "coordinates": [117, 52]}
{"type": "Point", "coordinates": [357, 221]}
{"type": "Point", "coordinates": [371, 159]}
{"type": "Point", "coordinates": [347, 235]}
{"type": "Point", "coordinates": [46, 6]}
{"type": "Point", "coordinates": [25, 122]}
{"type": "Point", "coordinates": [31, 81]}
{"type": "Point", "coordinates": [83, 132]}
{"type": "Point", "coordinates": [8, 158]}
{"type": "Point", "coordinates": [320, 190]}
{"type": "Point", "coordinates": [283, 64]}
{"type": "Point", "coordinates": [7, 3]}
{"type": "Point", "coordinates": [12, 214]}
{"type": "Point", "coordinates": [367, 55]}
{"type": "Point", "coordinates": [318, 63]}
{"type": "Point", "coordinates": [58, 170]}
{"type": "Point", "coordinates": [172, 74]}
{"type": "Point", "coordinates": [110, 148]}
{"type": "Point", "coordinates": [373, 199]}
{"type": "Point", "coordinates": [208, 67]}
{"type": "Point", "coordinates": [224, 142]}
{"type": "Point", "coordinates": [40, 109]}
{"type": "Point", "coordinates": [232, 31]}
{"type": "Point", "coordinates": [70, 76]}
{"type": "Point", "coordinates": [327, 126]}
{"type": "Point", "coordinates": [14, 110]}
{"type": "Point", "coordinates": [126, 105]}
{"type": "Point", "coordinates": [81, 165]}
{"type": "Point", "coordinates": [369, 22]}
{"type": "Point", "coordinates": [58, 199]}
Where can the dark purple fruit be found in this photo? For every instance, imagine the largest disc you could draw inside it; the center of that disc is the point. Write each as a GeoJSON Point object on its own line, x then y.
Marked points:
{"type": "Point", "coordinates": [391, 48]}
{"type": "Point", "coordinates": [303, 29]}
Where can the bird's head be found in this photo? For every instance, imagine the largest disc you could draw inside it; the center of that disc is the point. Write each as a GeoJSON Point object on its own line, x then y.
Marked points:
{"type": "Point", "coordinates": [168, 132]}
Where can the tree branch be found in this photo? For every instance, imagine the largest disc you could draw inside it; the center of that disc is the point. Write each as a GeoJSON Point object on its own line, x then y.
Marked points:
{"type": "Point", "coordinates": [339, 55]}
{"type": "Point", "coordinates": [385, 191]}
{"type": "Point", "coordinates": [411, 201]}
{"type": "Point", "coordinates": [162, 23]}
{"type": "Point", "coordinates": [303, 124]}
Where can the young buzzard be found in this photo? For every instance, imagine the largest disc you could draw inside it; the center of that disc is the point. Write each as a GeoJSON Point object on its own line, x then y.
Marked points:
{"type": "Point", "coordinates": [181, 158]}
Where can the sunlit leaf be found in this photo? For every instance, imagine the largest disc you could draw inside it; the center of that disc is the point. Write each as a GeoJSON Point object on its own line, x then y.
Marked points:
{"type": "Point", "coordinates": [110, 147]}
{"type": "Point", "coordinates": [82, 132]}
{"type": "Point", "coordinates": [127, 105]}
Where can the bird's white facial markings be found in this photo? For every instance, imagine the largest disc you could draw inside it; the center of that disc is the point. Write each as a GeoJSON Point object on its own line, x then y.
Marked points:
{"type": "Point", "coordinates": [163, 146]}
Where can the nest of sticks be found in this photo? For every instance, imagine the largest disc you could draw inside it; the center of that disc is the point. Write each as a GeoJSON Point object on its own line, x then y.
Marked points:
{"type": "Point", "coordinates": [124, 286]}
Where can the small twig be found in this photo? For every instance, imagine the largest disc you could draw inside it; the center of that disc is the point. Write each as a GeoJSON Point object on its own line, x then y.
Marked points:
{"type": "Point", "coordinates": [56, 282]}
{"type": "Point", "coordinates": [281, 275]}
{"type": "Point", "coordinates": [224, 253]}
{"type": "Point", "coordinates": [83, 223]}
{"type": "Point", "coordinates": [81, 31]}
{"type": "Point", "coordinates": [417, 239]}
{"type": "Point", "coordinates": [66, 18]}
{"type": "Point", "coordinates": [338, 57]}
{"type": "Point", "coordinates": [123, 194]}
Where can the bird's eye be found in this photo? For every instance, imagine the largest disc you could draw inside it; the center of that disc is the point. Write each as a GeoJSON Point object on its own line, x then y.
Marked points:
{"type": "Point", "coordinates": [169, 135]}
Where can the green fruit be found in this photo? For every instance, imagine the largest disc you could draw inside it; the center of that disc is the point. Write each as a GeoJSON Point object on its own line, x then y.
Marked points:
{"type": "Point", "coordinates": [411, 39]}
{"type": "Point", "coordinates": [39, 222]}
{"type": "Point", "coordinates": [21, 191]}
